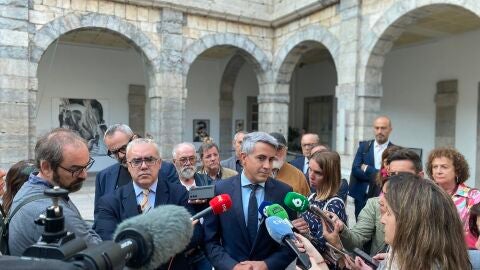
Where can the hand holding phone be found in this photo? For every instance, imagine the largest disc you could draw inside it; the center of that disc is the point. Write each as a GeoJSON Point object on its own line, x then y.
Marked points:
{"type": "Point", "coordinates": [366, 258]}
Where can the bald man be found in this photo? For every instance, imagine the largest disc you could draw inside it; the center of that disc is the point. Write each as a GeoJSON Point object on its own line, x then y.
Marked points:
{"type": "Point", "coordinates": [367, 162]}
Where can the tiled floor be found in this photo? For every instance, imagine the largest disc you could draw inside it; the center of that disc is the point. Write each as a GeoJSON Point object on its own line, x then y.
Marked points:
{"type": "Point", "coordinates": [84, 200]}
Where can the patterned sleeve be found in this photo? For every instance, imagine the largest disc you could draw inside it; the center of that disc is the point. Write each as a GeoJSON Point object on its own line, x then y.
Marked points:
{"type": "Point", "coordinates": [474, 195]}
{"type": "Point", "coordinates": [338, 207]}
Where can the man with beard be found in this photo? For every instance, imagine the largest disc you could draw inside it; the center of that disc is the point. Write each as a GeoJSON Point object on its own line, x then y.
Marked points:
{"type": "Point", "coordinates": [286, 172]}
{"type": "Point", "coordinates": [211, 168]}
{"type": "Point", "coordinates": [108, 180]}
{"type": "Point", "coordinates": [146, 191]}
{"type": "Point", "coordinates": [62, 159]}
{"type": "Point", "coordinates": [367, 162]}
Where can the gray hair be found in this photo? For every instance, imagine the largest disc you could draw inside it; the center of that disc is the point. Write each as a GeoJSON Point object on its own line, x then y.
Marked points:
{"type": "Point", "coordinates": [206, 146]}
{"type": "Point", "coordinates": [118, 127]}
{"type": "Point", "coordinates": [253, 138]}
{"type": "Point", "coordinates": [139, 141]}
{"type": "Point", "coordinates": [175, 148]}
{"type": "Point", "coordinates": [50, 146]}
{"type": "Point", "coordinates": [238, 133]}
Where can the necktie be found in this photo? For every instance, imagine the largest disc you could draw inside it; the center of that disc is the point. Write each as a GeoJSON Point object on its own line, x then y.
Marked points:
{"type": "Point", "coordinates": [252, 222]}
{"type": "Point", "coordinates": [144, 205]}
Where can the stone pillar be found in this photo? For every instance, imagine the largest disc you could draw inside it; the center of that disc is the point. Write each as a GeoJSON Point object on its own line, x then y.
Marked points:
{"type": "Point", "coordinates": [17, 107]}
{"type": "Point", "coordinates": [446, 101]}
{"type": "Point", "coordinates": [477, 170]}
{"type": "Point", "coordinates": [136, 108]}
{"type": "Point", "coordinates": [353, 103]}
{"type": "Point", "coordinates": [273, 108]}
{"type": "Point", "coordinates": [167, 95]}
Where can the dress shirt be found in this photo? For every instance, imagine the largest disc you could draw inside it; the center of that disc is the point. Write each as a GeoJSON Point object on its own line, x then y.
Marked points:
{"type": "Point", "coordinates": [377, 153]}
{"type": "Point", "coordinates": [260, 195]}
{"type": "Point", "coordinates": [151, 194]}
{"type": "Point", "coordinates": [305, 165]}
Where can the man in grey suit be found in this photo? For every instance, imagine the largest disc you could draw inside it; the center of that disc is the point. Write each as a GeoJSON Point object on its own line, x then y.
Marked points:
{"type": "Point", "coordinates": [234, 162]}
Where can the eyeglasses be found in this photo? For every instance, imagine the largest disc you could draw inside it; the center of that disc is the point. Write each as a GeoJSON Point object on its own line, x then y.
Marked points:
{"type": "Point", "coordinates": [190, 159]}
{"type": "Point", "coordinates": [77, 170]}
{"type": "Point", "coordinates": [122, 149]}
{"type": "Point", "coordinates": [308, 145]}
{"type": "Point", "coordinates": [137, 162]}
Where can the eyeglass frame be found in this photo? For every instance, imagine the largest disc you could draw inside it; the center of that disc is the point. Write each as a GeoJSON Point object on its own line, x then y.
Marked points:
{"type": "Point", "coordinates": [122, 149]}
{"type": "Point", "coordinates": [153, 160]}
{"type": "Point", "coordinates": [79, 170]}
{"type": "Point", "coordinates": [191, 159]}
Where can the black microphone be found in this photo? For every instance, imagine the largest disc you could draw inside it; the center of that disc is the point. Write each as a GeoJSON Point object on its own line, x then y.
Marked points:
{"type": "Point", "coordinates": [144, 241]}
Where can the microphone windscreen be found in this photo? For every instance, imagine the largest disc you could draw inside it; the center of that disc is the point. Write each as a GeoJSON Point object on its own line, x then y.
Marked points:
{"type": "Point", "coordinates": [169, 227]}
{"type": "Point", "coordinates": [296, 202]}
{"type": "Point", "coordinates": [278, 229]}
{"type": "Point", "coordinates": [278, 211]}
{"type": "Point", "coordinates": [262, 209]}
{"type": "Point", "coordinates": [220, 203]}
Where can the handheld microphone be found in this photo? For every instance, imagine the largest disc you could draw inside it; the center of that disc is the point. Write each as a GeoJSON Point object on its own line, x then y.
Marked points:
{"type": "Point", "coordinates": [300, 203]}
{"type": "Point", "coordinates": [280, 231]}
{"type": "Point", "coordinates": [262, 209]}
{"type": "Point", "coordinates": [219, 204]}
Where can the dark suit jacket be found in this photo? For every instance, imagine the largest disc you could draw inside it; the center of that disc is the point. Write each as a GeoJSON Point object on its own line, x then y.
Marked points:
{"type": "Point", "coordinates": [226, 236]}
{"type": "Point", "coordinates": [365, 155]}
{"type": "Point", "coordinates": [115, 207]}
{"type": "Point", "coordinates": [298, 162]}
{"type": "Point", "coordinates": [107, 179]}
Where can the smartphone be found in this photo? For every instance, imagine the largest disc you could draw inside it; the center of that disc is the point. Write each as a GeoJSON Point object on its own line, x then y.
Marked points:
{"type": "Point", "coordinates": [201, 193]}
{"type": "Point", "coordinates": [340, 251]}
{"type": "Point", "coordinates": [319, 213]}
{"type": "Point", "coordinates": [366, 258]}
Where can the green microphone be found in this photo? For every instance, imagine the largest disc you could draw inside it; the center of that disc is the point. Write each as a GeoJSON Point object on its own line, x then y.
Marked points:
{"type": "Point", "coordinates": [278, 211]}
{"type": "Point", "coordinates": [298, 202]}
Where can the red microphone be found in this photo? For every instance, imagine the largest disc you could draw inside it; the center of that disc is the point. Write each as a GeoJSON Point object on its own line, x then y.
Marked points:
{"type": "Point", "coordinates": [219, 204]}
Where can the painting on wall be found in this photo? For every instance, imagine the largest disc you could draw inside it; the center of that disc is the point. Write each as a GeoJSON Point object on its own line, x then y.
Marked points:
{"type": "Point", "coordinates": [201, 129]}
{"type": "Point", "coordinates": [239, 125]}
{"type": "Point", "coordinates": [86, 117]}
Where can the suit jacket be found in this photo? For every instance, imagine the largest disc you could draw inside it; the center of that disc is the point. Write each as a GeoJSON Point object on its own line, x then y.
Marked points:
{"type": "Point", "coordinates": [120, 205]}
{"type": "Point", "coordinates": [298, 162]}
{"type": "Point", "coordinates": [226, 237]}
{"type": "Point", "coordinates": [365, 155]}
{"type": "Point", "coordinates": [107, 179]}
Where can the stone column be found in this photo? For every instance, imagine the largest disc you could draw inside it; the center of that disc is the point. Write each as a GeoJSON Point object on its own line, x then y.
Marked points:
{"type": "Point", "coordinates": [446, 101]}
{"type": "Point", "coordinates": [136, 108]}
{"type": "Point", "coordinates": [17, 107]}
{"type": "Point", "coordinates": [273, 103]}
{"type": "Point", "coordinates": [352, 104]}
{"type": "Point", "coordinates": [167, 96]}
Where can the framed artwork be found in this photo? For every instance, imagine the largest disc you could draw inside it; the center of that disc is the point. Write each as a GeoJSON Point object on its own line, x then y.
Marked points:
{"type": "Point", "coordinates": [201, 129]}
{"type": "Point", "coordinates": [239, 125]}
{"type": "Point", "coordinates": [87, 117]}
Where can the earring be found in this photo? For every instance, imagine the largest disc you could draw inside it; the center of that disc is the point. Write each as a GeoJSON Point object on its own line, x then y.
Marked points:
{"type": "Point", "coordinates": [457, 180]}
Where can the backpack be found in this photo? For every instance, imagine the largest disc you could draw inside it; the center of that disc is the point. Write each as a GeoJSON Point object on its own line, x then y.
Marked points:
{"type": "Point", "coordinates": [5, 221]}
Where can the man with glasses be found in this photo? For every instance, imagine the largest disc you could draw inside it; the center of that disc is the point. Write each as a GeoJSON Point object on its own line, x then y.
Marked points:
{"type": "Point", "coordinates": [146, 191]}
{"type": "Point", "coordinates": [108, 180]}
{"type": "Point", "coordinates": [62, 159]}
{"type": "Point", "coordinates": [308, 141]}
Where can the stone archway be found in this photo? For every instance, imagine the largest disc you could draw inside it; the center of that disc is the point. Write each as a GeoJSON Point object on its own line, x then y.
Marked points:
{"type": "Point", "coordinates": [71, 22]}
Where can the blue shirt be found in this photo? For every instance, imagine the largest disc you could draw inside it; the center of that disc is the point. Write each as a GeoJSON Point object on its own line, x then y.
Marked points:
{"type": "Point", "coordinates": [246, 190]}
{"type": "Point", "coordinates": [151, 195]}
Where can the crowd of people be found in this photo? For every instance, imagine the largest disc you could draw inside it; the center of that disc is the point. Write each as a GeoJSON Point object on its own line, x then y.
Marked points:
{"type": "Point", "coordinates": [403, 220]}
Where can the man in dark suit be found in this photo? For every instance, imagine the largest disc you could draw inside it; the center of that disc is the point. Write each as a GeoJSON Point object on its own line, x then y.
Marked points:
{"type": "Point", "coordinates": [146, 191]}
{"type": "Point", "coordinates": [367, 162]}
{"type": "Point", "coordinates": [109, 179]}
{"type": "Point", "coordinates": [234, 161]}
{"type": "Point", "coordinates": [237, 239]}
{"type": "Point", "coordinates": [308, 142]}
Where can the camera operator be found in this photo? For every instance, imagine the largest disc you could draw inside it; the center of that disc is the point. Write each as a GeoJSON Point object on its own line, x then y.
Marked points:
{"type": "Point", "coordinates": [62, 159]}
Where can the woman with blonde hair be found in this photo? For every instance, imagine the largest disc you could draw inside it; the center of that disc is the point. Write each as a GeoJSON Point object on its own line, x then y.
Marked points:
{"type": "Point", "coordinates": [449, 169]}
{"type": "Point", "coordinates": [324, 174]}
{"type": "Point", "coordinates": [422, 227]}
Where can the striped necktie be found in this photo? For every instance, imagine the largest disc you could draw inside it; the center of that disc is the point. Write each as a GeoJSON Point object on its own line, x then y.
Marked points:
{"type": "Point", "coordinates": [144, 205]}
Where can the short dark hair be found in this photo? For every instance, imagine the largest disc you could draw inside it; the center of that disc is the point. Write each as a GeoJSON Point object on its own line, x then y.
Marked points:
{"type": "Point", "coordinates": [50, 146]}
{"type": "Point", "coordinates": [206, 146]}
{"type": "Point", "coordinates": [406, 154]}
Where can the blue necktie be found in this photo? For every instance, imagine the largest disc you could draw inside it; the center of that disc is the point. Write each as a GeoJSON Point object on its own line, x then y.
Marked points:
{"type": "Point", "coordinates": [252, 222]}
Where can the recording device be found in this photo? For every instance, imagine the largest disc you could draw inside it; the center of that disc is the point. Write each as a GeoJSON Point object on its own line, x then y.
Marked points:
{"type": "Point", "coordinates": [366, 258]}
{"type": "Point", "coordinates": [55, 242]}
{"type": "Point", "coordinates": [144, 242]}
{"type": "Point", "coordinates": [219, 204]}
{"type": "Point", "coordinates": [300, 203]}
{"type": "Point", "coordinates": [281, 232]}
{"type": "Point", "coordinates": [201, 193]}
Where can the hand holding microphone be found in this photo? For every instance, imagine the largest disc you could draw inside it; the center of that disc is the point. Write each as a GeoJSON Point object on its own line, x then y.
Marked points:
{"type": "Point", "coordinates": [300, 203]}
{"type": "Point", "coordinates": [219, 204]}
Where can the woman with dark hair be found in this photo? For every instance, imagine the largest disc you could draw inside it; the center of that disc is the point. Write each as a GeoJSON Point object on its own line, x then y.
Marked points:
{"type": "Point", "coordinates": [324, 174]}
{"type": "Point", "coordinates": [382, 174]}
{"type": "Point", "coordinates": [436, 240]}
{"type": "Point", "coordinates": [449, 169]}
{"type": "Point", "coordinates": [16, 176]}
